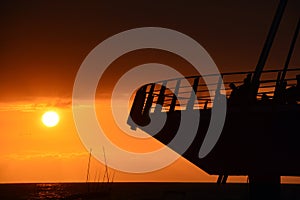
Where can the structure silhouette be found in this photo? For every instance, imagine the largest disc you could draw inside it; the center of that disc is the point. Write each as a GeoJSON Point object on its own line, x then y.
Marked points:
{"type": "Point", "coordinates": [260, 138]}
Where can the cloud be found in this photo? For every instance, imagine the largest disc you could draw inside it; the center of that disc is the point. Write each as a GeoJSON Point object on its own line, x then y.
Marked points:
{"type": "Point", "coordinates": [39, 104]}
{"type": "Point", "coordinates": [41, 155]}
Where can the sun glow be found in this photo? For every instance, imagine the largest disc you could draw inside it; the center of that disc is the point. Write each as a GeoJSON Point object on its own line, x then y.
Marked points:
{"type": "Point", "coordinates": [50, 118]}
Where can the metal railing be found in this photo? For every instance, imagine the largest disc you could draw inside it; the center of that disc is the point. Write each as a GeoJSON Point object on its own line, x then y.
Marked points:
{"type": "Point", "coordinates": [176, 94]}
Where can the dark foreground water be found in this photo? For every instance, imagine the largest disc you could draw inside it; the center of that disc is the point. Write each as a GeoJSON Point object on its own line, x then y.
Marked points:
{"type": "Point", "coordinates": [132, 191]}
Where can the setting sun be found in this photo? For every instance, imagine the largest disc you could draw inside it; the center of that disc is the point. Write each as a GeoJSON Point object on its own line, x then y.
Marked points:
{"type": "Point", "coordinates": [50, 118]}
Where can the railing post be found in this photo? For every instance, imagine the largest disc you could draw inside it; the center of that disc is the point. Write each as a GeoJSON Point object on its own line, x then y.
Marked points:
{"type": "Point", "coordinates": [193, 97]}
{"type": "Point", "coordinates": [218, 89]}
{"type": "Point", "coordinates": [174, 99]}
{"type": "Point", "coordinates": [161, 97]}
{"type": "Point", "coordinates": [277, 90]}
{"type": "Point", "coordinates": [149, 100]}
{"type": "Point", "coordinates": [136, 112]}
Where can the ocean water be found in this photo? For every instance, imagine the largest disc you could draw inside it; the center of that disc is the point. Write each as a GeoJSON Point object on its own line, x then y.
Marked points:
{"type": "Point", "coordinates": [132, 191]}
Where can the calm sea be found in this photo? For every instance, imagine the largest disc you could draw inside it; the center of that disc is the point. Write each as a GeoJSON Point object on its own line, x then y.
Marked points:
{"type": "Point", "coordinates": [132, 191]}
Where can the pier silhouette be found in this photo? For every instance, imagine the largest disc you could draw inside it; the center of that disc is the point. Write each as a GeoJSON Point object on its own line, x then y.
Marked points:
{"type": "Point", "coordinates": [260, 138]}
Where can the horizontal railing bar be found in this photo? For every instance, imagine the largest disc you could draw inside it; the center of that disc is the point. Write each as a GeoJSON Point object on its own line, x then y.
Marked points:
{"type": "Point", "coordinates": [229, 73]}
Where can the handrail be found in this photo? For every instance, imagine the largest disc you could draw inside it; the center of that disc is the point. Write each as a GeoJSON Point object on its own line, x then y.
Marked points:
{"type": "Point", "coordinates": [163, 95]}
{"type": "Point", "coordinates": [230, 73]}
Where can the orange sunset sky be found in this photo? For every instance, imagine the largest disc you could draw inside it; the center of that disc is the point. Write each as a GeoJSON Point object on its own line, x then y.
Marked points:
{"type": "Point", "coordinates": [43, 44]}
